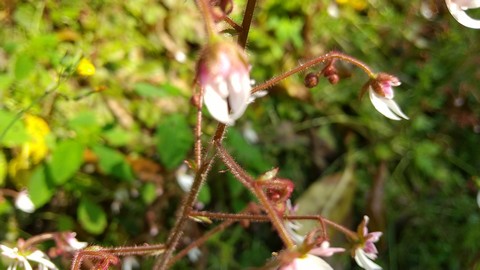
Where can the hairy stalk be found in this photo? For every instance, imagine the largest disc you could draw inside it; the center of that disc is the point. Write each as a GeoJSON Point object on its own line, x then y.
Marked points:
{"type": "Point", "coordinates": [247, 21]}
{"type": "Point", "coordinates": [233, 24]}
{"type": "Point", "coordinates": [204, 7]}
{"type": "Point", "coordinates": [314, 62]}
{"type": "Point", "coordinates": [198, 131]}
{"type": "Point", "coordinates": [264, 218]}
{"type": "Point", "coordinates": [200, 241]}
{"type": "Point", "coordinates": [109, 254]}
{"type": "Point", "coordinates": [38, 239]}
{"type": "Point", "coordinates": [201, 174]}
{"type": "Point", "coordinates": [256, 189]}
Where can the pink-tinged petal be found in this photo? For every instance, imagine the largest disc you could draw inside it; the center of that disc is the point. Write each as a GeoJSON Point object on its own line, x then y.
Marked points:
{"type": "Point", "coordinates": [216, 105]}
{"type": "Point", "coordinates": [374, 236]}
{"type": "Point", "coordinates": [381, 106]}
{"type": "Point", "coordinates": [363, 261]}
{"type": "Point", "coordinates": [325, 250]}
{"type": "Point", "coordinates": [458, 12]}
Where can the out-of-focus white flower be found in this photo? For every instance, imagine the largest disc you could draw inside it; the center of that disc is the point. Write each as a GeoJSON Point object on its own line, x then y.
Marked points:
{"type": "Point", "coordinates": [366, 252]}
{"type": "Point", "coordinates": [73, 243]}
{"type": "Point", "coordinates": [223, 74]}
{"type": "Point", "coordinates": [458, 10]}
{"type": "Point", "coordinates": [184, 180]}
{"type": "Point", "coordinates": [293, 226]}
{"type": "Point", "coordinates": [129, 263]}
{"type": "Point", "coordinates": [381, 95]}
{"type": "Point", "coordinates": [24, 203]}
{"type": "Point", "coordinates": [249, 133]}
{"type": "Point", "coordinates": [478, 198]}
{"type": "Point", "coordinates": [365, 260]}
{"type": "Point", "coordinates": [20, 259]}
{"type": "Point", "coordinates": [194, 254]}
{"type": "Point", "coordinates": [307, 262]}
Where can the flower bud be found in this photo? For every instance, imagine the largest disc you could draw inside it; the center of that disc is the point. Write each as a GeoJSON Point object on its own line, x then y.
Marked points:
{"type": "Point", "coordinates": [223, 75]}
{"type": "Point", "coordinates": [311, 80]}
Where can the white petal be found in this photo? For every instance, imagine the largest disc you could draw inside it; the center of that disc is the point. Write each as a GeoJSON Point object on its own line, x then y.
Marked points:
{"type": "Point", "coordinates": [216, 105]}
{"type": "Point", "coordinates": [478, 198]}
{"type": "Point", "coordinates": [461, 16]}
{"type": "Point", "coordinates": [311, 262]}
{"type": "Point", "coordinates": [381, 106]}
{"type": "Point", "coordinates": [467, 4]}
{"type": "Point", "coordinates": [24, 203]}
{"type": "Point", "coordinates": [40, 257]}
{"type": "Point", "coordinates": [239, 94]}
{"type": "Point", "coordinates": [394, 107]}
{"type": "Point", "coordinates": [364, 262]}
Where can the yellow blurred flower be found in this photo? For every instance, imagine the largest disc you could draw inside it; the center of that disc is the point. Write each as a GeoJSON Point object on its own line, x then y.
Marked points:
{"type": "Point", "coordinates": [85, 68]}
{"type": "Point", "coordinates": [358, 5]}
{"type": "Point", "coordinates": [35, 149]}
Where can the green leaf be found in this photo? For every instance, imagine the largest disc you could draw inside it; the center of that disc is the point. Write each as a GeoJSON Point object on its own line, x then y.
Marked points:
{"type": "Point", "coordinates": [152, 91]}
{"type": "Point", "coordinates": [91, 216]}
{"type": "Point", "coordinates": [148, 193]}
{"type": "Point", "coordinates": [174, 140]}
{"type": "Point", "coordinates": [24, 65]}
{"type": "Point", "coordinates": [66, 161]}
{"type": "Point", "coordinates": [113, 163]}
{"type": "Point", "coordinates": [247, 155]}
{"type": "Point", "coordinates": [204, 196]}
{"type": "Point", "coordinates": [13, 135]}
{"type": "Point", "coordinates": [117, 136]}
{"type": "Point", "coordinates": [3, 168]}
{"type": "Point", "coordinates": [40, 189]}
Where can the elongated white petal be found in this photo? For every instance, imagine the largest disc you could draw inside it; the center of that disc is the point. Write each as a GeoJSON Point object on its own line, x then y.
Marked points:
{"type": "Point", "coordinates": [458, 12]}
{"type": "Point", "coordinates": [239, 95]}
{"type": "Point", "coordinates": [216, 105]}
{"type": "Point", "coordinates": [381, 106]}
{"type": "Point", "coordinates": [364, 262]}
{"type": "Point", "coordinates": [41, 258]}
{"type": "Point", "coordinates": [467, 4]}
{"type": "Point", "coordinates": [394, 107]}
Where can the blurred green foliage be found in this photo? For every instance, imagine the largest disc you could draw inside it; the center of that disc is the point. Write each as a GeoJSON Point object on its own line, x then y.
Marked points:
{"type": "Point", "coordinates": [98, 153]}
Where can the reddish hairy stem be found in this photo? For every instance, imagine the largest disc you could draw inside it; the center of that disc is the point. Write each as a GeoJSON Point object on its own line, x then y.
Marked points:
{"type": "Point", "coordinates": [200, 241]}
{"type": "Point", "coordinates": [206, 165]}
{"type": "Point", "coordinates": [314, 62]}
{"type": "Point", "coordinates": [256, 189]}
{"type": "Point", "coordinates": [264, 218]}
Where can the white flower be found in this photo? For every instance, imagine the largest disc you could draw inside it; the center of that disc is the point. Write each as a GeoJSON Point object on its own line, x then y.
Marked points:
{"type": "Point", "coordinates": [223, 74]}
{"type": "Point", "coordinates": [381, 94]}
{"type": "Point", "coordinates": [458, 10]}
{"type": "Point", "coordinates": [22, 259]}
{"type": "Point", "coordinates": [365, 260]}
{"type": "Point", "coordinates": [129, 263]}
{"type": "Point", "coordinates": [194, 254]}
{"type": "Point", "coordinates": [24, 203]}
{"type": "Point", "coordinates": [387, 107]}
{"type": "Point", "coordinates": [73, 243]}
{"type": "Point", "coordinates": [184, 180]}
{"type": "Point", "coordinates": [307, 262]}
